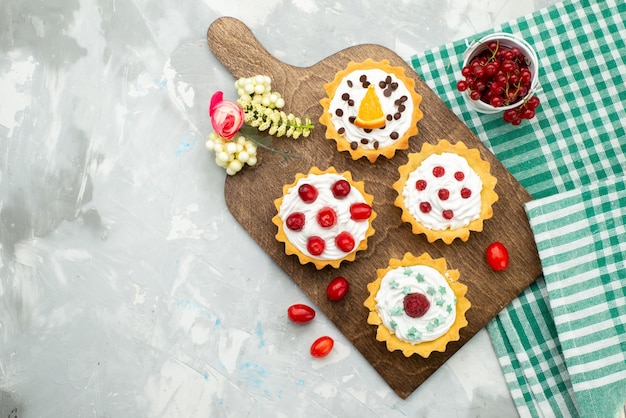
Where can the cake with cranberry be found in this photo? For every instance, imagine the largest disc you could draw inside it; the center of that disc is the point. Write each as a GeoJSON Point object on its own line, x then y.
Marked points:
{"type": "Point", "coordinates": [445, 191]}
{"type": "Point", "coordinates": [324, 217]}
{"type": "Point", "coordinates": [417, 305]}
{"type": "Point", "coordinates": [372, 109]}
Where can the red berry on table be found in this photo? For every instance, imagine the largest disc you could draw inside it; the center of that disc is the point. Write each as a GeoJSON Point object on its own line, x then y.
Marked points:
{"type": "Point", "coordinates": [315, 245]}
{"type": "Point", "coordinates": [341, 188]}
{"type": "Point", "coordinates": [300, 313]}
{"type": "Point", "coordinates": [326, 217]}
{"type": "Point", "coordinates": [360, 211]}
{"type": "Point", "coordinates": [337, 288]}
{"type": "Point", "coordinates": [322, 346]}
{"type": "Point", "coordinates": [295, 221]}
{"type": "Point", "coordinates": [307, 192]}
{"type": "Point", "coordinates": [345, 241]}
{"type": "Point", "coordinates": [497, 256]}
{"type": "Point", "coordinates": [416, 305]}
{"type": "Point", "coordinates": [461, 85]}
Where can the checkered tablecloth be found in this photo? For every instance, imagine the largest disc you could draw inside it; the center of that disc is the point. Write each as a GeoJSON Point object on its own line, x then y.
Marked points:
{"type": "Point", "coordinates": [562, 342]}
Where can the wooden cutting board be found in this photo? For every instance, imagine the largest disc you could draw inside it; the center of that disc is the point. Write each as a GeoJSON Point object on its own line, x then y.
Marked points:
{"type": "Point", "coordinates": [250, 194]}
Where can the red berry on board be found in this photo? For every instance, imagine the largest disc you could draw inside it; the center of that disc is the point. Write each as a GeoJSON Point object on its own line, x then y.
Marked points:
{"type": "Point", "coordinates": [341, 188]}
{"type": "Point", "coordinates": [295, 221]}
{"type": "Point", "coordinates": [337, 288]}
{"type": "Point", "coordinates": [300, 313]}
{"type": "Point", "coordinates": [315, 245]}
{"type": "Point", "coordinates": [322, 346]}
{"type": "Point", "coordinates": [416, 305]}
{"type": "Point", "coordinates": [326, 217]}
{"type": "Point", "coordinates": [307, 192]}
{"type": "Point", "coordinates": [345, 241]}
{"type": "Point", "coordinates": [497, 256]}
{"type": "Point", "coordinates": [360, 211]}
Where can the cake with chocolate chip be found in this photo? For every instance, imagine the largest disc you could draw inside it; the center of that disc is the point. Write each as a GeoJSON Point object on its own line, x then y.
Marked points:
{"type": "Point", "coordinates": [417, 304]}
{"type": "Point", "coordinates": [372, 109]}
{"type": "Point", "coordinates": [445, 191]}
{"type": "Point", "coordinates": [324, 217]}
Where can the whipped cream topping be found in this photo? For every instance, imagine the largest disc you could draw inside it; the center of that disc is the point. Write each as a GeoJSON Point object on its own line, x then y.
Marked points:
{"type": "Point", "coordinates": [395, 100]}
{"type": "Point", "coordinates": [325, 198]}
{"type": "Point", "coordinates": [443, 192]}
{"type": "Point", "coordinates": [401, 281]}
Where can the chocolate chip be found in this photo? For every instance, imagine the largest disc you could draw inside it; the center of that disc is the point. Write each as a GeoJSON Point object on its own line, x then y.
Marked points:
{"type": "Point", "coordinates": [341, 130]}
{"type": "Point", "coordinates": [339, 112]}
{"type": "Point", "coordinates": [375, 144]}
{"type": "Point", "coordinates": [354, 145]}
{"type": "Point", "coordinates": [394, 135]}
{"type": "Point", "coordinates": [349, 83]}
{"type": "Point", "coordinates": [351, 102]}
{"type": "Point", "coordinates": [382, 84]}
{"type": "Point", "coordinates": [388, 79]}
{"type": "Point", "coordinates": [394, 85]}
{"type": "Point", "coordinates": [345, 96]}
{"type": "Point", "coordinates": [401, 108]}
{"type": "Point", "coordinates": [389, 117]}
{"type": "Point", "coordinates": [397, 116]}
{"type": "Point", "coordinates": [403, 98]}
{"type": "Point", "coordinates": [367, 130]}
{"type": "Point", "coordinates": [366, 84]}
{"type": "Point", "coordinates": [351, 119]}
{"type": "Point", "coordinates": [363, 78]}
{"type": "Point", "coordinates": [387, 92]}
{"type": "Point", "coordinates": [364, 141]}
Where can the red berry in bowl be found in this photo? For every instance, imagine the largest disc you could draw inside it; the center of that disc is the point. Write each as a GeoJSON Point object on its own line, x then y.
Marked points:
{"type": "Point", "coordinates": [322, 346]}
{"type": "Point", "coordinates": [337, 288]}
{"type": "Point", "coordinates": [307, 192]}
{"type": "Point", "coordinates": [497, 256]}
{"type": "Point", "coordinates": [300, 313]}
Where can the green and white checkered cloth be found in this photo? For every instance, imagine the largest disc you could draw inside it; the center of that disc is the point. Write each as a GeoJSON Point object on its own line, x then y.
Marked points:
{"type": "Point", "coordinates": [562, 342]}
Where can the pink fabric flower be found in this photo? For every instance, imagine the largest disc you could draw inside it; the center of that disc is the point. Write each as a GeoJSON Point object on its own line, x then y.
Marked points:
{"type": "Point", "coordinates": [226, 116]}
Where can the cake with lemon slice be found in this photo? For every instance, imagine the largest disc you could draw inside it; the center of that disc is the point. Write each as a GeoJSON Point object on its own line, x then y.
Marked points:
{"type": "Point", "coordinates": [372, 109]}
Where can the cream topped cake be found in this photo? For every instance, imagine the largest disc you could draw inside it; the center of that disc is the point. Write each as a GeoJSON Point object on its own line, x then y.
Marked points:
{"type": "Point", "coordinates": [324, 217]}
{"type": "Point", "coordinates": [445, 191]}
{"type": "Point", "coordinates": [417, 304]}
{"type": "Point", "coordinates": [372, 109]}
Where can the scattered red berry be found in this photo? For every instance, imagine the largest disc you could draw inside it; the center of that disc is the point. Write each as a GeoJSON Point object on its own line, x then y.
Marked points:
{"type": "Point", "coordinates": [345, 241]}
{"type": "Point", "coordinates": [307, 192]}
{"type": "Point", "coordinates": [416, 305]}
{"type": "Point", "coordinates": [322, 346]}
{"type": "Point", "coordinates": [300, 313]}
{"type": "Point", "coordinates": [360, 211]}
{"type": "Point", "coordinates": [315, 245]}
{"type": "Point", "coordinates": [500, 76]}
{"type": "Point", "coordinates": [341, 188]}
{"type": "Point", "coordinates": [326, 217]}
{"type": "Point", "coordinates": [295, 221]}
{"type": "Point", "coordinates": [337, 288]}
{"type": "Point", "coordinates": [497, 256]}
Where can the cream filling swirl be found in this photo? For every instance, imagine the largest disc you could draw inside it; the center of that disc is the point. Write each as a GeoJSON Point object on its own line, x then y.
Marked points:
{"type": "Point", "coordinates": [463, 209]}
{"type": "Point", "coordinates": [380, 136]}
{"type": "Point", "coordinates": [323, 183]}
{"type": "Point", "coordinates": [401, 281]}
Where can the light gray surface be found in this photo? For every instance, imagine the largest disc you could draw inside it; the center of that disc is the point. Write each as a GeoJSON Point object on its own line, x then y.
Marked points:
{"type": "Point", "coordinates": [126, 287]}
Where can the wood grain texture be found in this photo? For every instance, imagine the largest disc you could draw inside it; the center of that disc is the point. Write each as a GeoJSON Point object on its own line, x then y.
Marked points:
{"type": "Point", "coordinates": [250, 194]}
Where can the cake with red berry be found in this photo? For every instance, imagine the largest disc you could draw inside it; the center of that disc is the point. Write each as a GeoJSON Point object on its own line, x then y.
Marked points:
{"type": "Point", "coordinates": [372, 109]}
{"type": "Point", "coordinates": [324, 217]}
{"type": "Point", "coordinates": [445, 191]}
{"type": "Point", "coordinates": [417, 305]}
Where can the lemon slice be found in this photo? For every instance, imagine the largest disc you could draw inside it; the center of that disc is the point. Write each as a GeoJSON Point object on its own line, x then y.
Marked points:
{"type": "Point", "coordinates": [371, 113]}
